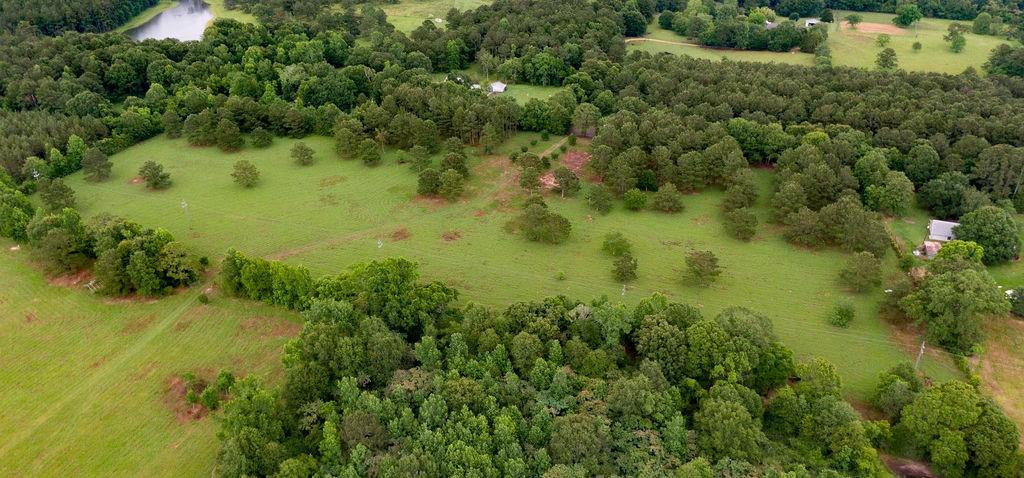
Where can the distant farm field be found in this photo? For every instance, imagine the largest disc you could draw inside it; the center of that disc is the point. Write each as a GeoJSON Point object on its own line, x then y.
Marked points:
{"type": "Point", "coordinates": [408, 15]}
{"type": "Point", "coordinates": [857, 47]}
{"type": "Point", "coordinates": [850, 47]}
{"type": "Point", "coordinates": [658, 40]}
{"type": "Point", "coordinates": [337, 213]}
{"type": "Point", "coordinates": [88, 382]}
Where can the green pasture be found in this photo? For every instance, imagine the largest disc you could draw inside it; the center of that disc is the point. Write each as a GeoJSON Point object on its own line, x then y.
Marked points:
{"type": "Point", "coordinates": [408, 15]}
{"type": "Point", "coordinates": [854, 48]}
{"type": "Point", "coordinates": [85, 379]}
{"type": "Point", "coordinates": [857, 47]}
{"type": "Point", "coordinates": [338, 212]}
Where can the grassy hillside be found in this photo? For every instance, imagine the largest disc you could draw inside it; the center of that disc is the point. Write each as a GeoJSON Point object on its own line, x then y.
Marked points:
{"type": "Point", "coordinates": [87, 381]}
{"type": "Point", "coordinates": [337, 213]}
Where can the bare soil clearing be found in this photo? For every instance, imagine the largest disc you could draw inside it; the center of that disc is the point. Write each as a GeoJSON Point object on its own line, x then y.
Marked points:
{"type": "Point", "coordinates": [875, 28]}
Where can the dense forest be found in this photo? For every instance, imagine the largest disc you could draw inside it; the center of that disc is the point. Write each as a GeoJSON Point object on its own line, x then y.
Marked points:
{"type": "Point", "coordinates": [56, 16]}
{"type": "Point", "coordinates": [392, 377]}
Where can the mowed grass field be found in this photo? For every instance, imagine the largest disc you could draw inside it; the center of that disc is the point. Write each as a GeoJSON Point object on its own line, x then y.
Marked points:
{"type": "Point", "coordinates": [408, 15]}
{"type": "Point", "coordinates": [850, 47]}
{"type": "Point", "coordinates": [337, 213]}
{"type": "Point", "coordinates": [857, 47]}
{"type": "Point", "coordinates": [658, 40]}
{"type": "Point", "coordinates": [86, 380]}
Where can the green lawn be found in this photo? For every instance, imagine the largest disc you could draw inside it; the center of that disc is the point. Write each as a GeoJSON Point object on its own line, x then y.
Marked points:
{"type": "Point", "coordinates": [84, 379]}
{"type": "Point", "coordinates": [408, 15]}
{"type": "Point", "coordinates": [857, 48]}
{"type": "Point", "coordinates": [337, 213]}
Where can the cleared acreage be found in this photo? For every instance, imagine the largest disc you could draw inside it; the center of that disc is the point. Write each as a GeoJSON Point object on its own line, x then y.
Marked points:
{"type": "Point", "coordinates": [337, 213]}
{"type": "Point", "coordinates": [850, 47]}
{"type": "Point", "coordinates": [408, 15]}
{"type": "Point", "coordinates": [88, 383]}
{"type": "Point", "coordinates": [856, 47]}
{"type": "Point", "coordinates": [658, 40]}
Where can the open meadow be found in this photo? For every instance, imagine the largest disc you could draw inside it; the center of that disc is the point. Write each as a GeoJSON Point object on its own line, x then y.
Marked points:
{"type": "Point", "coordinates": [856, 47]}
{"type": "Point", "coordinates": [408, 15]}
{"type": "Point", "coordinates": [337, 213]}
{"type": "Point", "coordinates": [659, 40]}
{"type": "Point", "coordinates": [90, 383]}
{"type": "Point", "coordinates": [850, 47]}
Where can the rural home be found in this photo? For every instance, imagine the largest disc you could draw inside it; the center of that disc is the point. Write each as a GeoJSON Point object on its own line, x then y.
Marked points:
{"type": "Point", "coordinates": [938, 233]}
{"type": "Point", "coordinates": [497, 87]}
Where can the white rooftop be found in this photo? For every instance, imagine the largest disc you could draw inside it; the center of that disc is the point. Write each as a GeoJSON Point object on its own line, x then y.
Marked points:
{"type": "Point", "coordinates": [941, 230]}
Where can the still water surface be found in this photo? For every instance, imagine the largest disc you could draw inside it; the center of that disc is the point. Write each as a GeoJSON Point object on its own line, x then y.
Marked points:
{"type": "Point", "coordinates": [185, 21]}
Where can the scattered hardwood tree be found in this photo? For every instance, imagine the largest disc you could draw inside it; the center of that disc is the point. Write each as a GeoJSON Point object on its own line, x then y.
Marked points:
{"type": "Point", "coordinates": [56, 195]}
{"type": "Point", "coordinates": [862, 272]}
{"type": "Point", "coordinates": [154, 175]}
{"type": "Point", "coordinates": [616, 244]}
{"type": "Point", "coordinates": [429, 181]}
{"type": "Point", "coordinates": [261, 138]}
{"type": "Point", "coordinates": [624, 268]}
{"type": "Point", "coordinates": [96, 165]}
{"type": "Point", "coordinates": [703, 267]}
{"type": "Point", "coordinates": [994, 230]}
{"type": "Point", "coordinates": [634, 199]}
{"type": "Point", "coordinates": [229, 138]}
{"type": "Point", "coordinates": [450, 186]}
{"type": "Point", "coordinates": [529, 178]}
{"type": "Point", "coordinates": [668, 199]}
{"type": "Point", "coordinates": [599, 198]}
{"type": "Point", "coordinates": [741, 223]}
{"type": "Point", "coordinates": [302, 154]}
{"type": "Point", "coordinates": [245, 174]}
{"type": "Point", "coordinates": [567, 183]}
{"type": "Point", "coordinates": [541, 225]}
{"type": "Point", "coordinates": [886, 59]}
{"type": "Point", "coordinates": [842, 314]}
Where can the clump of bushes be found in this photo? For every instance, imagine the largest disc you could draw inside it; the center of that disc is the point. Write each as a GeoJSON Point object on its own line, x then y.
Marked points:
{"type": "Point", "coordinates": [208, 395]}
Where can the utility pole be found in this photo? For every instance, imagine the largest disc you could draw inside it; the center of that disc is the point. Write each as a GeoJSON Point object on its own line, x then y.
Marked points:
{"type": "Point", "coordinates": [920, 353]}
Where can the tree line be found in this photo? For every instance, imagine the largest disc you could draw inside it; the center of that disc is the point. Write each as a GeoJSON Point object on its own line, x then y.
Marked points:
{"type": "Point", "coordinates": [53, 17]}
{"type": "Point", "coordinates": [559, 387]}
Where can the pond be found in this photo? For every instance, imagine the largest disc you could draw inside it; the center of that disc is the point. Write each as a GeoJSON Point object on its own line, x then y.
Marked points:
{"type": "Point", "coordinates": [185, 21]}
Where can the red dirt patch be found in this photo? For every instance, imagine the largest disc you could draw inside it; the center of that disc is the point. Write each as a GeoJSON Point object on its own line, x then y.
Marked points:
{"type": "Point", "coordinates": [400, 235]}
{"type": "Point", "coordinates": [270, 327]}
{"type": "Point", "coordinates": [576, 161]}
{"type": "Point", "coordinates": [479, 213]}
{"type": "Point", "coordinates": [430, 202]}
{"type": "Point", "coordinates": [30, 317]}
{"type": "Point", "coordinates": [548, 181]}
{"type": "Point", "coordinates": [874, 28]}
{"type": "Point", "coordinates": [71, 280]}
{"type": "Point", "coordinates": [174, 398]}
{"type": "Point", "coordinates": [451, 236]}
{"type": "Point", "coordinates": [905, 468]}
{"type": "Point", "coordinates": [136, 180]}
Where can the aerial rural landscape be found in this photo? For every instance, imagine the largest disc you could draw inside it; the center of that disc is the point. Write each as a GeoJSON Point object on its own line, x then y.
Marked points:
{"type": "Point", "coordinates": [524, 238]}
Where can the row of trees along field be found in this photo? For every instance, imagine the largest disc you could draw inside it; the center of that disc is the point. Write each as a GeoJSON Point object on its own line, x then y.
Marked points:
{"type": "Point", "coordinates": [55, 16]}
{"type": "Point", "coordinates": [389, 378]}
